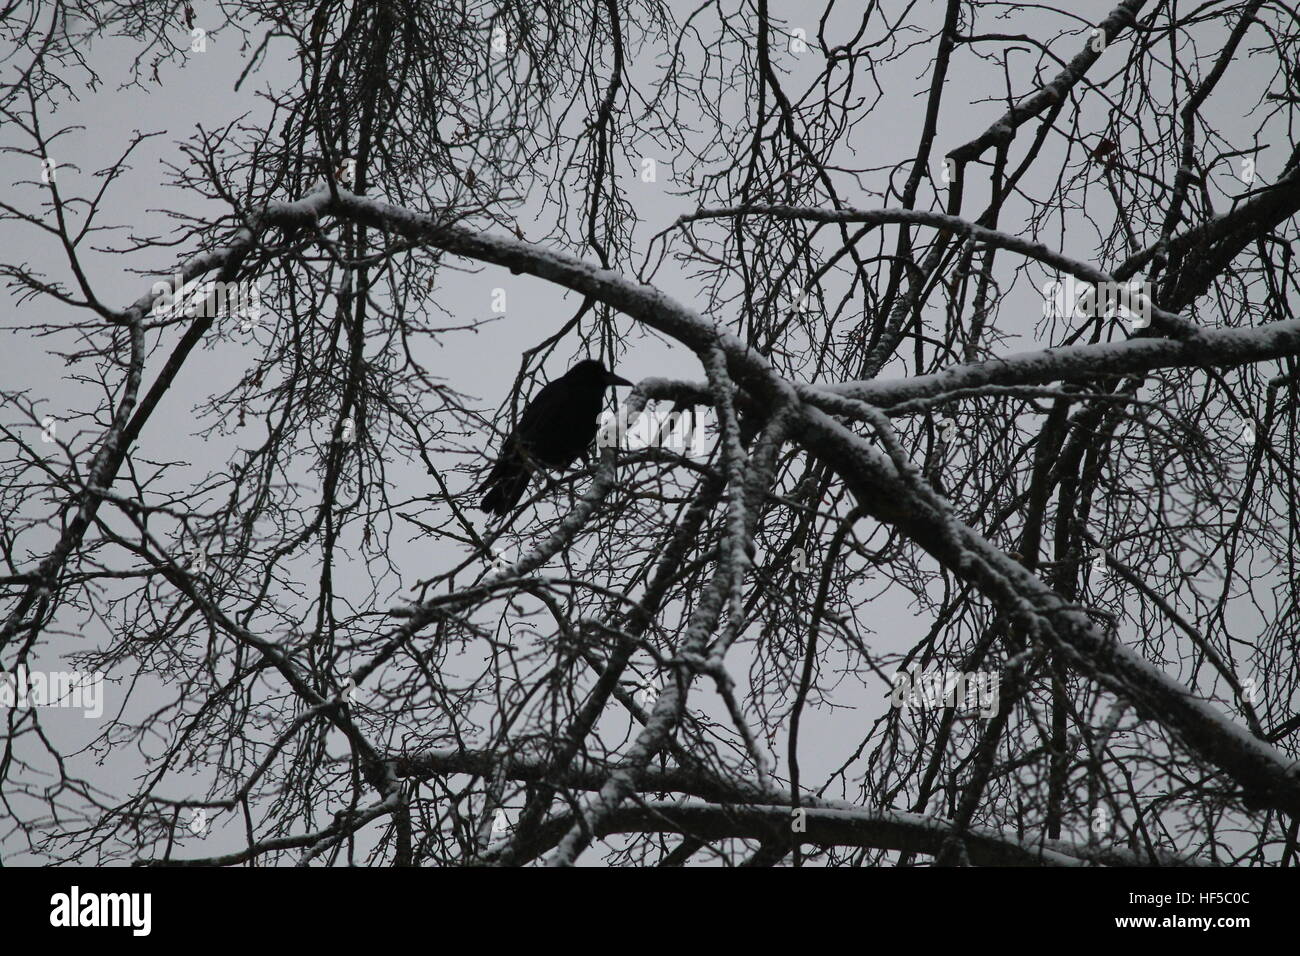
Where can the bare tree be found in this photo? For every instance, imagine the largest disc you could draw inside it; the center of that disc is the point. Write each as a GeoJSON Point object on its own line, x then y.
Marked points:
{"type": "Point", "coordinates": [957, 524]}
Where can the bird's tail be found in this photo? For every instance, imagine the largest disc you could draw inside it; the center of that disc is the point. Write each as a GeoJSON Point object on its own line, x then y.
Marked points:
{"type": "Point", "coordinates": [504, 487]}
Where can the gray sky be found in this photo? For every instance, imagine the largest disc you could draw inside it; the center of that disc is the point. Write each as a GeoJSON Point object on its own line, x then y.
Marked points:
{"type": "Point", "coordinates": [482, 364]}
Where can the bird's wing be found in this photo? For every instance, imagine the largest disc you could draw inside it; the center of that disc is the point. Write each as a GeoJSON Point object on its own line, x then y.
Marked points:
{"type": "Point", "coordinates": [537, 415]}
{"type": "Point", "coordinates": [541, 417]}
{"type": "Point", "coordinates": [539, 412]}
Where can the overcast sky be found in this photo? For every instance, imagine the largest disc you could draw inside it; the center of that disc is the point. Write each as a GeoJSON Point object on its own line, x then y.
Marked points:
{"type": "Point", "coordinates": [199, 88]}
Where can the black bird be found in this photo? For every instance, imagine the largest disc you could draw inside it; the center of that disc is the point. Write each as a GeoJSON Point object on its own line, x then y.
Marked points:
{"type": "Point", "coordinates": [556, 427]}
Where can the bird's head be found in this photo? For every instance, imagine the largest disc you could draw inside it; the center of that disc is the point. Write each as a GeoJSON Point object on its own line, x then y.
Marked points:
{"type": "Point", "coordinates": [593, 372]}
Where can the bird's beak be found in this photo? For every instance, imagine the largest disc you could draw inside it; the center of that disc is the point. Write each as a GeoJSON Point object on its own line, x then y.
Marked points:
{"type": "Point", "coordinates": [612, 379]}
